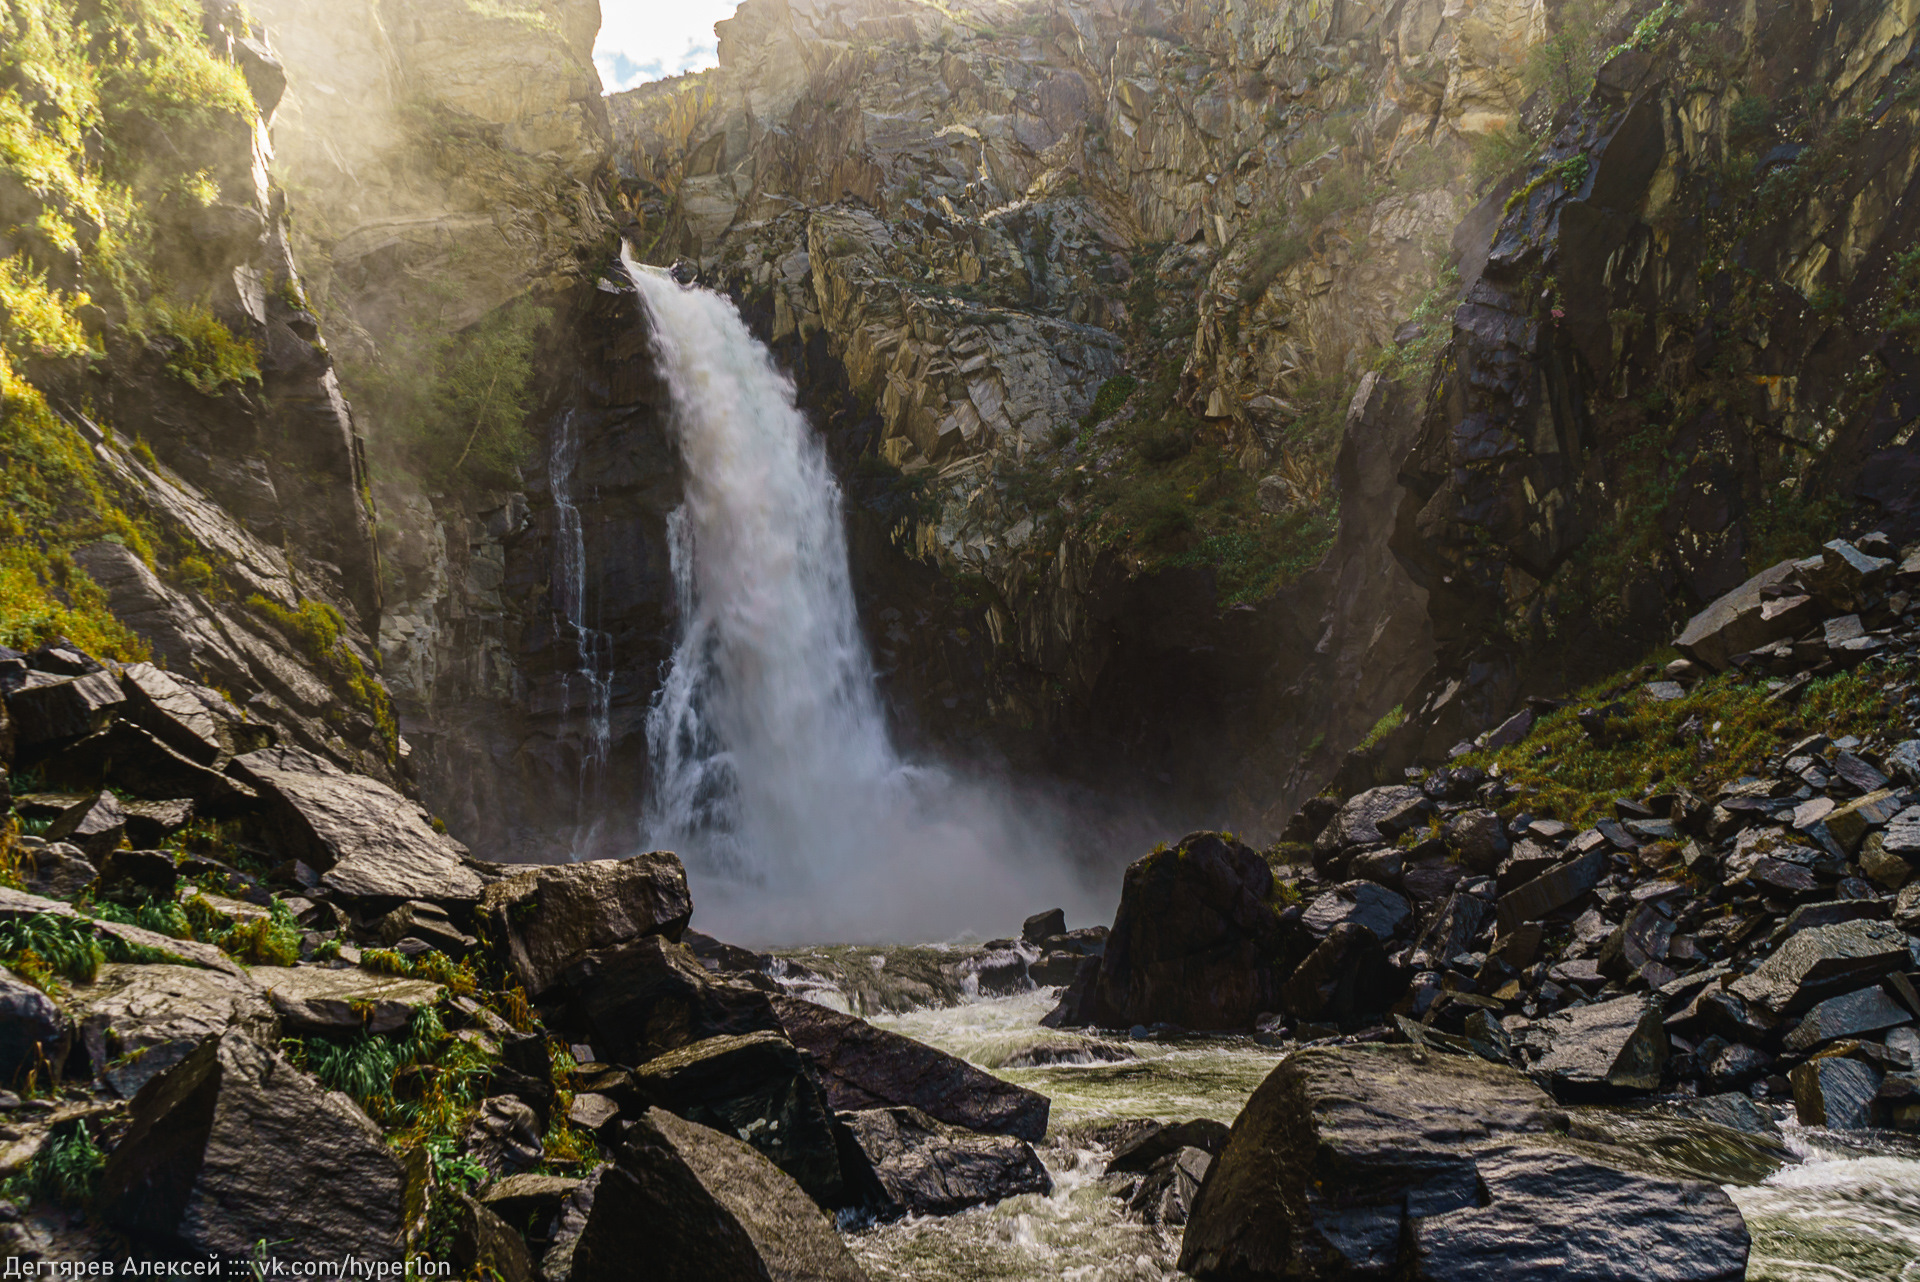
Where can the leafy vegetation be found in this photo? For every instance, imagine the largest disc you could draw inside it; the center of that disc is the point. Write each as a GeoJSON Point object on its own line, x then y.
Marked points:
{"type": "Point", "coordinates": [43, 949]}
{"type": "Point", "coordinates": [205, 354]}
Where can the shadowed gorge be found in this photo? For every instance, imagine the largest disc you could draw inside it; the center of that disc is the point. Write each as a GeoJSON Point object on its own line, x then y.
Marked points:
{"type": "Point", "coordinates": [1116, 640]}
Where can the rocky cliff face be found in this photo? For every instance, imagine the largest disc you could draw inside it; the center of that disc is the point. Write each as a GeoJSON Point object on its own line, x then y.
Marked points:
{"type": "Point", "coordinates": [187, 483]}
{"type": "Point", "coordinates": [1684, 353]}
{"type": "Point", "coordinates": [448, 160]}
{"type": "Point", "coordinates": [1105, 280]}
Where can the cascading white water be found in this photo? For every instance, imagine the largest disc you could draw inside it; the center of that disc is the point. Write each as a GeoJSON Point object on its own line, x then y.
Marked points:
{"type": "Point", "coordinates": [592, 645]}
{"type": "Point", "coordinates": [773, 772]}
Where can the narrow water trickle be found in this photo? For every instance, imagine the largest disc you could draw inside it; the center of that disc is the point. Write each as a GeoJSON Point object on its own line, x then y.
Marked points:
{"type": "Point", "coordinates": [773, 773]}
{"type": "Point", "coordinates": [577, 609]}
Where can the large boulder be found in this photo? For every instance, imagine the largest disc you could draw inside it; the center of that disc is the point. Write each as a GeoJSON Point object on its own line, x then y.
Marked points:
{"type": "Point", "coordinates": [545, 919]}
{"type": "Point", "coordinates": [50, 710]}
{"type": "Point", "coordinates": [695, 1205]}
{"type": "Point", "coordinates": [1744, 619]}
{"type": "Point", "coordinates": [866, 1067]}
{"type": "Point", "coordinates": [1195, 940]}
{"type": "Point", "coordinates": [235, 1146]}
{"type": "Point", "coordinates": [371, 843]}
{"type": "Point", "coordinates": [755, 1087]}
{"type": "Point", "coordinates": [1824, 961]}
{"type": "Point", "coordinates": [927, 1168]}
{"type": "Point", "coordinates": [1346, 976]}
{"type": "Point", "coordinates": [1382, 1161]}
{"type": "Point", "coordinates": [1370, 818]}
{"type": "Point", "coordinates": [650, 996]}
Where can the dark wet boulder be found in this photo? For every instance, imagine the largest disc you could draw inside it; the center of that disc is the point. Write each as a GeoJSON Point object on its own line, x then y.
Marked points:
{"type": "Point", "coordinates": [1824, 961]}
{"type": "Point", "coordinates": [696, 1205]}
{"type": "Point", "coordinates": [1610, 1048]}
{"type": "Point", "coordinates": [1195, 940]}
{"type": "Point", "coordinates": [1369, 1162]}
{"type": "Point", "coordinates": [925, 1167]}
{"type": "Point", "coordinates": [650, 996]}
{"type": "Point", "coordinates": [865, 1067]}
{"type": "Point", "coordinates": [1563, 885]}
{"type": "Point", "coordinates": [1346, 976]}
{"type": "Point", "coordinates": [992, 972]}
{"type": "Point", "coordinates": [1168, 1188]}
{"type": "Point", "coordinates": [754, 1087]}
{"type": "Point", "coordinates": [481, 1244]}
{"type": "Point", "coordinates": [33, 1031]}
{"type": "Point", "coordinates": [1371, 818]}
{"type": "Point", "coordinates": [1077, 1005]}
{"type": "Point", "coordinates": [1138, 1155]}
{"type": "Point", "coordinates": [545, 919]}
{"type": "Point", "coordinates": [1042, 926]}
{"type": "Point", "coordinates": [1866, 1010]}
{"type": "Point", "coordinates": [1835, 1093]}
{"type": "Point", "coordinates": [1363, 903]}
{"type": "Point", "coordinates": [1479, 839]}
{"type": "Point", "coordinates": [235, 1146]}
{"type": "Point", "coordinates": [371, 843]}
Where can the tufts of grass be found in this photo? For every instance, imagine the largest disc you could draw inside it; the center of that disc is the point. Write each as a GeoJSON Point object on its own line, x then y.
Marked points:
{"type": "Point", "coordinates": [1392, 720]}
{"type": "Point", "coordinates": [205, 354]}
{"type": "Point", "coordinates": [1724, 728]}
{"type": "Point", "coordinates": [43, 949]}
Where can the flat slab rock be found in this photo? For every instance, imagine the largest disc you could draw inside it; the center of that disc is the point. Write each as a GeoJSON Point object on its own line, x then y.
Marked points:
{"type": "Point", "coordinates": [1824, 961]}
{"type": "Point", "coordinates": [1606, 1048]}
{"type": "Point", "coordinates": [1363, 1161]}
{"type": "Point", "coordinates": [18, 903]}
{"type": "Point", "coordinates": [867, 1067]}
{"type": "Point", "coordinates": [372, 842]}
{"type": "Point", "coordinates": [320, 999]}
{"type": "Point", "coordinates": [927, 1168]}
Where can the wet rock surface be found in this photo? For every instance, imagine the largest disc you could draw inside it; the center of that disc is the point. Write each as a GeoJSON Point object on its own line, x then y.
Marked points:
{"type": "Point", "coordinates": [924, 1167]}
{"type": "Point", "coordinates": [1366, 1159]}
{"type": "Point", "coordinates": [865, 1067]}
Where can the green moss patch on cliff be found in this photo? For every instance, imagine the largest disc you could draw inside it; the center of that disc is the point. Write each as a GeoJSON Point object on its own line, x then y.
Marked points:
{"type": "Point", "coordinates": [318, 631]}
{"type": "Point", "coordinates": [102, 105]}
{"type": "Point", "coordinates": [1723, 728]}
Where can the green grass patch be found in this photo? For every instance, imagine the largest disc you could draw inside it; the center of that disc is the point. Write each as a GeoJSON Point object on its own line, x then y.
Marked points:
{"type": "Point", "coordinates": [204, 354]}
{"type": "Point", "coordinates": [319, 631]}
{"type": "Point", "coordinates": [1724, 728]}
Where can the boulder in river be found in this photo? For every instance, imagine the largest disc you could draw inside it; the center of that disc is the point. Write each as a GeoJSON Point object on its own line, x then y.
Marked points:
{"type": "Point", "coordinates": [866, 1067]}
{"type": "Point", "coordinates": [545, 919]}
{"type": "Point", "coordinates": [689, 1204]}
{"type": "Point", "coordinates": [1194, 940]}
{"type": "Point", "coordinates": [925, 1167]}
{"type": "Point", "coordinates": [1368, 1162]}
{"type": "Point", "coordinates": [649, 996]}
{"type": "Point", "coordinates": [235, 1146]}
{"type": "Point", "coordinates": [757, 1088]}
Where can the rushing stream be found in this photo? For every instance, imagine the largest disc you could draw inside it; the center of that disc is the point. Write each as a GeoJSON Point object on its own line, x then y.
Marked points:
{"type": "Point", "coordinates": [1845, 1212]}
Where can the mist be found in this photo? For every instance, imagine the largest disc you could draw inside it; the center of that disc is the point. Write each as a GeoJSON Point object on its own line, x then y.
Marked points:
{"type": "Point", "coordinates": [773, 773]}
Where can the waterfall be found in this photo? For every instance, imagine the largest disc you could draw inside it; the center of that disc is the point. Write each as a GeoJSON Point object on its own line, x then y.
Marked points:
{"type": "Point", "coordinates": [593, 647]}
{"type": "Point", "coordinates": [773, 774]}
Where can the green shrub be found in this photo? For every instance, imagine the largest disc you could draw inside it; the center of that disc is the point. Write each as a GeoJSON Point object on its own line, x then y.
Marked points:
{"type": "Point", "coordinates": [43, 947]}
{"type": "Point", "coordinates": [205, 354]}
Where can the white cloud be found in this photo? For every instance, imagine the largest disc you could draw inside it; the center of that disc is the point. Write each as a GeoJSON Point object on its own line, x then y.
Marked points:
{"type": "Point", "coordinates": [646, 39]}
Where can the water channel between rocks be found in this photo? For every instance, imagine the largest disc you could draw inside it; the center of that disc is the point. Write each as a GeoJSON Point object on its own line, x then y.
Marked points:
{"type": "Point", "coordinates": [1847, 1211]}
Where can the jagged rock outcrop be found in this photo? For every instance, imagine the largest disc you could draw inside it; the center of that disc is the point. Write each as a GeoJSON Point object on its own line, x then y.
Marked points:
{"type": "Point", "coordinates": [958, 225]}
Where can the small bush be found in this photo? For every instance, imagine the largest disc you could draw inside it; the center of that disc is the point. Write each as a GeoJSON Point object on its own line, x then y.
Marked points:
{"type": "Point", "coordinates": [42, 948]}
{"type": "Point", "coordinates": [1499, 152]}
{"type": "Point", "coordinates": [205, 355]}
